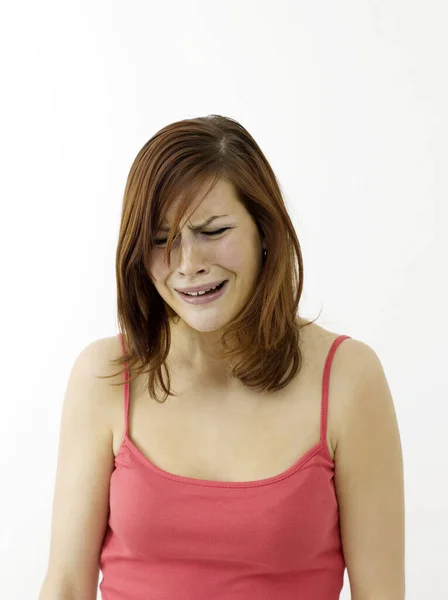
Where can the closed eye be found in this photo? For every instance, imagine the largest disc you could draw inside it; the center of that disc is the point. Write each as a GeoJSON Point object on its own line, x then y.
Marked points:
{"type": "Point", "coordinates": [209, 233]}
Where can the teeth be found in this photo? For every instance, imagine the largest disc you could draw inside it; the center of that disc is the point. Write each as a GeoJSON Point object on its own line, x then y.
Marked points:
{"type": "Point", "coordinates": [201, 293]}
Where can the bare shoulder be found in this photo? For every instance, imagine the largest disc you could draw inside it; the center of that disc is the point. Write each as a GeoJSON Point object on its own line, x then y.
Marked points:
{"type": "Point", "coordinates": [353, 356]}
{"type": "Point", "coordinates": [355, 365]}
{"type": "Point", "coordinates": [354, 360]}
{"type": "Point", "coordinates": [316, 342]}
{"type": "Point", "coordinates": [94, 362]}
{"type": "Point", "coordinates": [98, 356]}
{"type": "Point", "coordinates": [105, 351]}
{"type": "Point", "coordinates": [100, 352]}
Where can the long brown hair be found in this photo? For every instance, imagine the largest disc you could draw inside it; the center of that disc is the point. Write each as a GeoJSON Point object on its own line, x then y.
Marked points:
{"type": "Point", "coordinates": [183, 161]}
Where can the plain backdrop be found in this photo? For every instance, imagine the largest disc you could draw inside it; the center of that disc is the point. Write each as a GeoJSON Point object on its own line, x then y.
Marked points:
{"type": "Point", "coordinates": [347, 100]}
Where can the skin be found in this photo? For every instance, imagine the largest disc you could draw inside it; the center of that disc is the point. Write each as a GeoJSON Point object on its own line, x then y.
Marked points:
{"type": "Point", "coordinates": [363, 431]}
{"type": "Point", "coordinates": [196, 259]}
{"type": "Point", "coordinates": [368, 455]}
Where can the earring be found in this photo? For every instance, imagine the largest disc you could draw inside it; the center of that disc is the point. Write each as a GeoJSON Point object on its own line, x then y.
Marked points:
{"type": "Point", "coordinates": [264, 253]}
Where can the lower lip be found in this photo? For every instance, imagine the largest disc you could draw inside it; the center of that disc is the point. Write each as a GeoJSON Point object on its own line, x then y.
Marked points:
{"type": "Point", "coordinates": [206, 298]}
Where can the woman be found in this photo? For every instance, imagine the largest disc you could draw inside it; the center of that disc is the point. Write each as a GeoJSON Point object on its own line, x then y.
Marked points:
{"type": "Point", "coordinates": [219, 462]}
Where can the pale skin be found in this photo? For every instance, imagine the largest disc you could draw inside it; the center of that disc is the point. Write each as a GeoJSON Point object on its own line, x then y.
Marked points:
{"type": "Point", "coordinates": [194, 260]}
{"type": "Point", "coordinates": [197, 257]}
{"type": "Point", "coordinates": [363, 436]}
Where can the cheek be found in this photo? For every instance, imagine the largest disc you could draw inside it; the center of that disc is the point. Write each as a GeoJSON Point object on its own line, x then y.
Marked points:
{"type": "Point", "coordinates": [236, 254]}
{"type": "Point", "coordinates": [158, 267]}
{"type": "Point", "coordinates": [227, 255]}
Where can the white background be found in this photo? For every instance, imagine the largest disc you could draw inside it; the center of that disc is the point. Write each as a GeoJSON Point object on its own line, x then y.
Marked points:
{"type": "Point", "coordinates": [348, 101]}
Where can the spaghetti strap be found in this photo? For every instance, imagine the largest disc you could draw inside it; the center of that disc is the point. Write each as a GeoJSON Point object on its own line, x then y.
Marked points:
{"type": "Point", "coordinates": [126, 389]}
{"type": "Point", "coordinates": [325, 387]}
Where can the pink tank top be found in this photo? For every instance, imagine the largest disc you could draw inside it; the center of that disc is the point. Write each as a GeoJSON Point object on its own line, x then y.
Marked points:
{"type": "Point", "coordinates": [171, 537]}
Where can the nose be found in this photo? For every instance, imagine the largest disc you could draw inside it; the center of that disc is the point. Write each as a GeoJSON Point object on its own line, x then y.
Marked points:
{"type": "Point", "coordinates": [191, 259]}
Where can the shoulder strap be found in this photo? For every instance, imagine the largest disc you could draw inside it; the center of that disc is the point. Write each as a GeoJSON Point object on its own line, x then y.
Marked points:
{"type": "Point", "coordinates": [126, 389]}
{"type": "Point", "coordinates": [326, 385]}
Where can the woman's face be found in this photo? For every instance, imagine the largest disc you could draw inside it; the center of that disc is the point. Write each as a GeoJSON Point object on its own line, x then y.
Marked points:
{"type": "Point", "coordinates": [234, 254]}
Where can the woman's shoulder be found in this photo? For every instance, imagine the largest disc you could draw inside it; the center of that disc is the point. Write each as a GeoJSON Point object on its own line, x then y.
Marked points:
{"type": "Point", "coordinates": [318, 340]}
{"type": "Point", "coordinates": [352, 365]}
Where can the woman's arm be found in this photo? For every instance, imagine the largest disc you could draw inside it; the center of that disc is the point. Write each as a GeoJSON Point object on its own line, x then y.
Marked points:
{"type": "Point", "coordinates": [369, 483]}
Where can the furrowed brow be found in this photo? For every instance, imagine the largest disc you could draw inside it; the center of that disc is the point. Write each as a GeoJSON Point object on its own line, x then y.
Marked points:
{"type": "Point", "coordinates": [165, 227]}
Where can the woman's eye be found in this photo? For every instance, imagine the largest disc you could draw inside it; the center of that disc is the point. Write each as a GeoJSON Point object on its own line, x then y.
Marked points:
{"type": "Point", "coordinates": [211, 233]}
{"type": "Point", "coordinates": [216, 232]}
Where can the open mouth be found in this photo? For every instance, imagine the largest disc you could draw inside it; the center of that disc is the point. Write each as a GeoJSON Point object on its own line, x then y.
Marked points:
{"type": "Point", "coordinates": [211, 291]}
{"type": "Point", "coordinates": [205, 297]}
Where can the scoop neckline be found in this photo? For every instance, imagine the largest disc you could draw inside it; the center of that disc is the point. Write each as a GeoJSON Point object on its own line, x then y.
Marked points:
{"type": "Point", "coordinates": [297, 465]}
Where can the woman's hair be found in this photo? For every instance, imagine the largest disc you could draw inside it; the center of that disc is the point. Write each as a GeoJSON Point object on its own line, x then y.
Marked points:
{"type": "Point", "coordinates": [183, 161]}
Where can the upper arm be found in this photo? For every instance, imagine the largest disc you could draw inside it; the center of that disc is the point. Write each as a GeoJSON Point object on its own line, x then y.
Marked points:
{"type": "Point", "coordinates": [85, 463]}
{"type": "Point", "coordinates": [369, 482]}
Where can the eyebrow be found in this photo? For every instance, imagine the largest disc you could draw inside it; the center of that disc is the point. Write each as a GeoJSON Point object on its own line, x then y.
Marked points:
{"type": "Point", "coordinates": [165, 227]}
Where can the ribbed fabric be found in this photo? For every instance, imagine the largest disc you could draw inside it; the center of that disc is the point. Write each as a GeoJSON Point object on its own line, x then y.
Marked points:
{"type": "Point", "coordinates": [176, 538]}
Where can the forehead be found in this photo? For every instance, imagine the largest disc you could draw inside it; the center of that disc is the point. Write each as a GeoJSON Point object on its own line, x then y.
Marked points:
{"type": "Point", "coordinates": [221, 200]}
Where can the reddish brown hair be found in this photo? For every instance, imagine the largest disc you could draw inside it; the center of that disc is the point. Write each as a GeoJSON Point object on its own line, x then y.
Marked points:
{"type": "Point", "coordinates": [183, 161]}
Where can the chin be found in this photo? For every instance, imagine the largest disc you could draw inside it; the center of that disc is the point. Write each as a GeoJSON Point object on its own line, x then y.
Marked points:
{"type": "Point", "coordinates": [205, 323]}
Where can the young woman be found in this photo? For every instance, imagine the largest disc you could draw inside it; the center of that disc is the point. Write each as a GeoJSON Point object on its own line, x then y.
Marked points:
{"type": "Point", "coordinates": [240, 451]}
